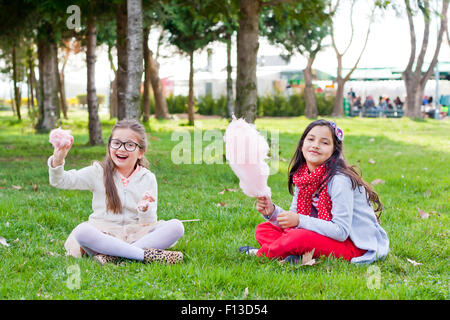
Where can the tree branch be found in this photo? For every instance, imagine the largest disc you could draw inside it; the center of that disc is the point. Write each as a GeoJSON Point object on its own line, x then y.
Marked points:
{"type": "Point", "coordinates": [365, 44]}
{"type": "Point", "coordinates": [426, 34]}
{"type": "Point", "coordinates": [353, 29]}
{"type": "Point", "coordinates": [412, 34]}
{"type": "Point", "coordinates": [442, 29]}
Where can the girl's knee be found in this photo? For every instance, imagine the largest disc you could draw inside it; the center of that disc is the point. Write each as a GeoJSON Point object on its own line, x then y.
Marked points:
{"type": "Point", "coordinates": [176, 227]}
{"type": "Point", "coordinates": [82, 231]}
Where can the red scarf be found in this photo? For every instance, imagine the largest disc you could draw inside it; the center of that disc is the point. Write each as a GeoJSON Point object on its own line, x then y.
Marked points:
{"type": "Point", "coordinates": [308, 183]}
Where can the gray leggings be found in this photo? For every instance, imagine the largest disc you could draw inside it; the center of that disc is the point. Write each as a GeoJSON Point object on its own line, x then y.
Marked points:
{"type": "Point", "coordinates": [94, 241]}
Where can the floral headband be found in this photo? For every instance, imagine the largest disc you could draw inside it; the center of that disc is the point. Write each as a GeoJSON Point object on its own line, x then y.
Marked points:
{"type": "Point", "coordinates": [337, 131]}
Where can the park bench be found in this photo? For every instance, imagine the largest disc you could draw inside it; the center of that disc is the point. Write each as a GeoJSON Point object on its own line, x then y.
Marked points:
{"type": "Point", "coordinates": [371, 113]}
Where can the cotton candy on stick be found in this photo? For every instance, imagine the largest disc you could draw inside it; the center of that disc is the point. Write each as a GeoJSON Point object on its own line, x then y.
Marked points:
{"type": "Point", "coordinates": [246, 149]}
{"type": "Point", "coordinates": [60, 138]}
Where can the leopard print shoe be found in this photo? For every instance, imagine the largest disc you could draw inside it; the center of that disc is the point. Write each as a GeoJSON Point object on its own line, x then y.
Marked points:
{"type": "Point", "coordinates": [165, 256]}
{"type": "Point", "coordinates": [103, 259]}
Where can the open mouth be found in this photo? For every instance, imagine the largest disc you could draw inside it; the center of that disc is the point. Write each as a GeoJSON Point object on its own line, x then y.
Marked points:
{"type": "Point", "coordinates": [121, 157]}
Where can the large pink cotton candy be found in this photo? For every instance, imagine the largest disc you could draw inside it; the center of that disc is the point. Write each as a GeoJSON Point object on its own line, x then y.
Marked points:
{"type": "Point", "coordinates": [60, 138]}
{"type": "Point", "coordinates": [246, 149]}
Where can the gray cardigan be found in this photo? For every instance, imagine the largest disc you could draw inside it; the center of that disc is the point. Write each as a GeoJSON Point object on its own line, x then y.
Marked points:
{"type": "Point", "coordinates": [352, 216]}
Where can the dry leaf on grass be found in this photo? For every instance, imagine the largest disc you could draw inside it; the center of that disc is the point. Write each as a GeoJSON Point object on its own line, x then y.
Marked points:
{"type": "Point", "coordinates": [16, 187]}
{"type": "Point", "coordinates": [378, 181]}
{"type": "Point", "coordinates": [307, 258]}
{"type": "Point", "coordinates": [229, 190]}
{"type": "Point", "coordinates": [371, 140]}
{"type": "Point", "coordinates": [414, 262]}
{"type": "Point", "coordinates": [34, 187]}
{"type": "Point", "coordinates": [3, 242]}
{"type": "Point", "coordinates": [371, 161]}
{"type": "Point", "coordinates": [423, 214]}
{"type": "Point", "coordinates": [246, 293]}
{"type": "Point", "coordinates": [221, 204]}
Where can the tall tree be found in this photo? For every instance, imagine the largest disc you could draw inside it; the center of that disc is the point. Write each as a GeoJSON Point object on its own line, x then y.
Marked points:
{"type": "Point", "coordinates": [134, 58]}
{"type": "Point", "coordinates": [299, 29]}
{"type": "Point", "coordinates": [413, 77]}
{"type": "Point", "coordinates": [247, 51]}
{"type": "Point", "coordinates": [338, 107]}
{"type": "Point", "coordinates": [153, 11]}
{"type": "Point", "coordinates": [189, 31]}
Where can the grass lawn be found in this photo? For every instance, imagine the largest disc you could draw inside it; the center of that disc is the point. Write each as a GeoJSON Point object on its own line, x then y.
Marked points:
{"type": "Point", "coordinates": [412, 157]}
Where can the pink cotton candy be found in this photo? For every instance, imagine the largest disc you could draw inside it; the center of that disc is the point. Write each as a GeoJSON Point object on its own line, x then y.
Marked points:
{"type": "Point", "coordinates": [246, 150]}
{"type": "Point", "coordinates": [60, 138]}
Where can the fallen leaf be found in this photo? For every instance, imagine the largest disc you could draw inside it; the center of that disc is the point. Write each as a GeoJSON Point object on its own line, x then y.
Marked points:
{"type": "Point", "coordinates": [165, 181]}
{"type": "Point", "coordinates": [3, 242]}
{"type": "Point", "coordinates": [414, 262]}
{"type": "Point", "coordinates": [371, 161]}
{"type": "Point", "coordinates": [229, 190]}
{"type": "Point", "coordinates": [423, 214]}
{"type": "Point", "coordinates": [371, 140]}
{"type": "Point", "coordinates": [34, 187]}
{"type": "Point", "coordinates": [221, 204]}
{"type": "Point", "coordinates": [51, 254]}
{"type": "Point", "coordinates": [246, 293]}
{"type": "Point", "coordinates": [378, 181]}
{"type": "Point", "coordinates": [307, 259]}
{"type": "Point", "coordinates": [427, 193]}
{"type": "Point", "coordinates": [16, 187]}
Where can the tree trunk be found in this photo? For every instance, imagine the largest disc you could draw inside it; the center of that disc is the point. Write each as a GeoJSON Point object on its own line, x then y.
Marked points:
{"type": "Point", "coordinates": [113, 110]}
{"type": "Point", "coordinates": [62, 89]}
{"type": "Point", "coordinates": [191, 89]}
{"type": "Point", "coordinates": [415, 81]}
{"type": "Point", "coordinates": [310, 95]}
{"type": "Point", "coordinates": [146, 94]}
{"type": "Point", "coordinates": [50, 99]}
{"type": "Point", "coordinates": [32, 80]}
{"type": "Point", "coordinates": [161, 111]}
{"type": "Point", "coordinates": [121, 45]}
{"type": "Point", "coordinates": [17, 95]}
{"type": "Point", "coordinates": [338, 107]}
{"type": "Point", "coordinates": [95, 127]}
{"type": "Point", "coordinates": [40, 86]}
{"type": "Point", "coordinates": [134, 58]}
{"type": "Point", "coordinates": [247, 50]}
{"type": "Point", "coordinates": [230, 104]}
{"type": "Point", "coordinates": [58, 84]}
{"type": "Point", "coordinates": [112, 88]}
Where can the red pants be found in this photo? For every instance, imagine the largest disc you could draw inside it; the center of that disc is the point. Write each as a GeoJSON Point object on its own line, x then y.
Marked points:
{"type": "Point", "coordinates": [279, 243]}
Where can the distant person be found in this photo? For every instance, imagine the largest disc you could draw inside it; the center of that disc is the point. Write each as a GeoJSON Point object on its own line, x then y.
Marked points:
{"type": "Point", "coordinates": [389, 104]}
{"type": "Point", "coordinates": [357, 103]}
{"type": "Point", "coordinates": [351, 94]}
{"type": "Point", "coordinates": [369, 103]}
{"type": "Point", "coordinates": [398, 103]}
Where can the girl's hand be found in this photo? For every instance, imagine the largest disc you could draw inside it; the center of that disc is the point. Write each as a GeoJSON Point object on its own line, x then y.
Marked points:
{"type": "Point", "coordinates": [145, 202]}
{"type": "Point", "coordinates": [288, 219]}
{"type": "Point", "coordinates": [59, 154]}
{"type": "Point", "coordinates": [265, 206]}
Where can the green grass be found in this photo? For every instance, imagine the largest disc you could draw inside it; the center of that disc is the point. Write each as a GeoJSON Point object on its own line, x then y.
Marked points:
{"type": "Point", "coordinates": [412, 157]}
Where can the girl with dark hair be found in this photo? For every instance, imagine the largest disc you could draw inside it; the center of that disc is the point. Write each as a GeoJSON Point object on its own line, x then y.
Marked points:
{"type": "Point", "coordinates": [332, 210]}
{"type": "Point", "coordinates": [124, 200]}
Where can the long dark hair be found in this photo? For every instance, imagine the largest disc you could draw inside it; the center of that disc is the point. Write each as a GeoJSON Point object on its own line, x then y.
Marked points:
{"type": "Point", "coordinates": [113, 202]}
{"type": "Point", "coordinates": [336, 164]}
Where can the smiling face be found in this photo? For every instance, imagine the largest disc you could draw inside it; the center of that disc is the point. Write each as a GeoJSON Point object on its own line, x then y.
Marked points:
{"type": "Point", "coordinates": [124, 160]}
{"type": "Point", "coordinates": [318, 146]}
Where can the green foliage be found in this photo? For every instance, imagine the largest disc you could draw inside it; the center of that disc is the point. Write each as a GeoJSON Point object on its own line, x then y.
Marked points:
{"type": "Point", "coordinates": [324, 104]}
{"type": "Point", "coordinates": [177, 104]}
{"type": "Point", "coordinates": [207, 105]}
